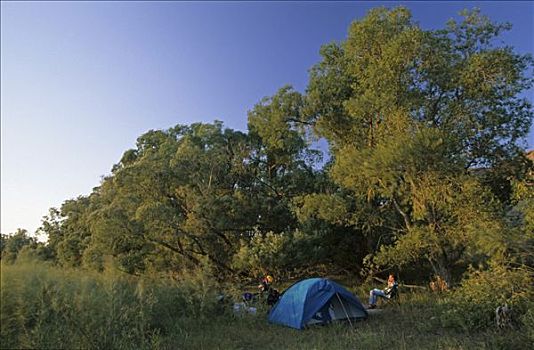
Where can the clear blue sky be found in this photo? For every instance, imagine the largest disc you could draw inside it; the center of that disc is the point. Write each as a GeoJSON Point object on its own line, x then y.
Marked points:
{"type": "Point", "coordinates": [80, 81]}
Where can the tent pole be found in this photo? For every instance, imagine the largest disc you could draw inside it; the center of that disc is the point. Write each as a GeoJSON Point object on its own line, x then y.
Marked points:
{"type": "Point", "coordinates": [343, 306]}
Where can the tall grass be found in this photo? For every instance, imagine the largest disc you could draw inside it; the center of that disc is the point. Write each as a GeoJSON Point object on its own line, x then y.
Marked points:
{"type": "Point", "coordinates": [44, 307]}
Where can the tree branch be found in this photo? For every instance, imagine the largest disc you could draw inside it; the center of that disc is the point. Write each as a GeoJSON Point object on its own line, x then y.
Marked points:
{"type": "Point", "coordinates": [404, 215]}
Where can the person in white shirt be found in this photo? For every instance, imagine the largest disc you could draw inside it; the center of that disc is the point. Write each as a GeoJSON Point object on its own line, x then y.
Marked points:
{"type": "Point", "coordinates": [384, 293]}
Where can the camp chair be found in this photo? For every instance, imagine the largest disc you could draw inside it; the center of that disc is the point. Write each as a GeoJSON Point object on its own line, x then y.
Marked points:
{"type": "Point", "coordinates": [393, 296]}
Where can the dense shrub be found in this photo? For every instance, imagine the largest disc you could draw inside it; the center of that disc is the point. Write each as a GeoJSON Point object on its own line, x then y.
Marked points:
{"type": "Point", "coordinates": [296, 254]}
{"type": "Point", "coordinates": [472, 305]}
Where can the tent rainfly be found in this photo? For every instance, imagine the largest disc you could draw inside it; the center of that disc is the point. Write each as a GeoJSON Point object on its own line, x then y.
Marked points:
{"type": "Point", "coordinates": [316, 301]}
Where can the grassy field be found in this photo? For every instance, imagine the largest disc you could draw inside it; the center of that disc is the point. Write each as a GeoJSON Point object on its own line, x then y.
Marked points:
{"type": "Point", "coordinates": [43, 307]}
{"type": "Point", "coordinates": [404, 327]}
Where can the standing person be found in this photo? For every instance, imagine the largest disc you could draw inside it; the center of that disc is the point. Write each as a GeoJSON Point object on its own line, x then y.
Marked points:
{"type": "Point", "coordinates": [265, 283]}
{"type": "Point", "coordinates": [385, 293]}
{"type": "Point", "coordinates": [269, 294]}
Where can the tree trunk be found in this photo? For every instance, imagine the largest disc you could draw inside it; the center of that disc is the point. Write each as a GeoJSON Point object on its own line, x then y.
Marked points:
{"type": "Point", "coordinates": [442, 269]}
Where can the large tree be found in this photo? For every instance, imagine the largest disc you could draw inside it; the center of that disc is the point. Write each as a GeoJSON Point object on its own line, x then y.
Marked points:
{"type": "Point", "coordinates": [189, 194]}
{"type": "Point", "coordinates": [413, 117]}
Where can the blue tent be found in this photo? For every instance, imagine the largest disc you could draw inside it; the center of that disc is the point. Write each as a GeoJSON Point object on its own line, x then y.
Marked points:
{"type": "Point", "coordinates": [315, 300]}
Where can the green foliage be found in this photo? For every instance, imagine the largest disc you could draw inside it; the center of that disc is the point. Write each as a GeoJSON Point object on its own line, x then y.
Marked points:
{"type": "Point", "coordinates": [188, 193]}
{"type": "Point", "coordinates": [12, 244]}
{"type": "Point", "coordinates": [19, 246]}
{"type": "Point", "coordinates": [330, 208]}
{"type": "Point", "coordinates": [264, 254]}
{"type": "Point", "coordinates": [472, 306]}
{"type": "Point", "coordinates": [275, 120]}
{"type": "Point", "coordinates": [528, 321]}
{"type": "Point", "coordinates": [411, 117]}
{"type": "Point", "coordinates": [523, 197]}
{"type": "Point", "coordinates": [43, 307]}
{"type": "Point", "coordinates": [455, 80]}
{"type": "Point", "coordinates": [454, 223]}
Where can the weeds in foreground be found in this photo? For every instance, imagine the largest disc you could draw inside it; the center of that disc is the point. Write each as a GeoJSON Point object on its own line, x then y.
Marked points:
{"type": "Point", "coordinates": [44, 307]}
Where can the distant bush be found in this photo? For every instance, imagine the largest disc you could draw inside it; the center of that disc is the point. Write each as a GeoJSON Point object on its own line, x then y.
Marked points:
{"type": "Point", "coordinates": [472, 305]}
{"type": "Point", "coordinates": [44, 307]}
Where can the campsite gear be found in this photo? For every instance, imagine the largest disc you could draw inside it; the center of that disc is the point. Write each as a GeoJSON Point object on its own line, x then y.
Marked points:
{"type": "Point", "coordinates": [393, 293]}
{"type": "Point", "coordinates": [316, 301]}
{"type": "Point", "coordinates": [242, 308]}
{"type": "Point", "coordinates": [248, 297]}
{"type": "Point", "coordinates": [269, 279]}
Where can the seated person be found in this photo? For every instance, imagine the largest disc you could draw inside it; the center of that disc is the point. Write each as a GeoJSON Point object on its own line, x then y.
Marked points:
{"type": "Point", "coordinates": [386, 293]}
